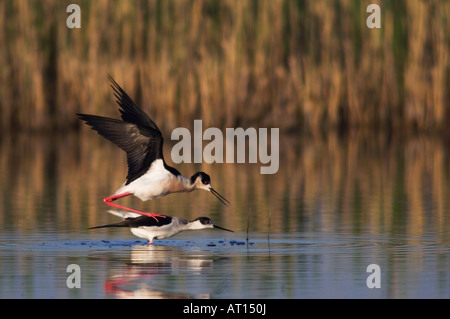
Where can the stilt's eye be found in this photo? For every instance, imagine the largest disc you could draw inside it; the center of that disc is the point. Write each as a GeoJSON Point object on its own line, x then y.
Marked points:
{"type": "Point", "coordinates": [206, 182]}
{"type": "Point", "coordinates": [205, 220]}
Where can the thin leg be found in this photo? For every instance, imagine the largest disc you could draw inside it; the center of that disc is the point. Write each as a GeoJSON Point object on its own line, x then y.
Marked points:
{"type": "Point", "coordinates": [109, 201]}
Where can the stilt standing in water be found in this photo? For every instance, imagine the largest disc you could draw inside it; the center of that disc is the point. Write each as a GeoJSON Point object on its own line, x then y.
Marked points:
{"type": "Point", "coordinates": [149, 228]}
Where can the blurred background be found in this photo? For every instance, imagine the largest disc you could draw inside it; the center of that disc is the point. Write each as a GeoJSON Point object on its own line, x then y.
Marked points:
{"type": "Point", "coordinates": [364, 173]}
{"type": "Point", "coordinates": [362, 112]}
{"type": "Point", "coordinates": [298, 65]}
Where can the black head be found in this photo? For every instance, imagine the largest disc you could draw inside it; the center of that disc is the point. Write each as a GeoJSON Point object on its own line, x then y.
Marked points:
{"type": "Point", "coordinates": [206, 222]}
{"type": "Point", "coordinates": [201, 180]}
{"type": "Point", "coordinates": [204, 178]}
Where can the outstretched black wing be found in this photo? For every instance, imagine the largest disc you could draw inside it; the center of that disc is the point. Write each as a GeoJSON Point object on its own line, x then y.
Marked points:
{"type": "Point", "coordinates": [129, 110]}
{"type": "Point", "coordinates": [137, 134]}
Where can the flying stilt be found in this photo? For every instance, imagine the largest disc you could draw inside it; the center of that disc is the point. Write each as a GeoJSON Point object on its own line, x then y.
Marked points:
{"type": "Point", "coordinates": [149, 228]}
{"type": "Point", "coordinates": [149, 176]}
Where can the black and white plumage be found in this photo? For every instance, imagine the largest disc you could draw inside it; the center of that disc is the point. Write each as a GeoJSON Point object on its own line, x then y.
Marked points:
{"type": "Point", "coordinates": [150, 228]}
{"type": "Point", "coordinates": [149, 176]}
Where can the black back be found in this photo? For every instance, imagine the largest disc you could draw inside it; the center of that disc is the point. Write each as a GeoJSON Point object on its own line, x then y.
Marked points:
{"type": "Point", "coordinates": [203, 176]}
{"type": "Point", "coordinates": [134, 222]}
{"type": "Point", "coordinates": [147, 221]}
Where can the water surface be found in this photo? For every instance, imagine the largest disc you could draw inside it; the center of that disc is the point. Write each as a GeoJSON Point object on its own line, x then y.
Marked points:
{"type": "Point", "coordinates": [337, 205]}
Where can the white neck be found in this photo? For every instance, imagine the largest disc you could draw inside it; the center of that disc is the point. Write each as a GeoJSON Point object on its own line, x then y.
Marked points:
{"type": "Point", "coordinates": [186, 182]}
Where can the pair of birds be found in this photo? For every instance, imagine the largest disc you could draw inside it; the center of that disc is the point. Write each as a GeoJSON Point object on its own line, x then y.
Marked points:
{"type": "Point", "coordinates": [149, 176]}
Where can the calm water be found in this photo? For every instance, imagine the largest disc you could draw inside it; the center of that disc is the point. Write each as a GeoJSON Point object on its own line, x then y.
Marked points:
{"type": "Point", "coordinates": [337, 205]}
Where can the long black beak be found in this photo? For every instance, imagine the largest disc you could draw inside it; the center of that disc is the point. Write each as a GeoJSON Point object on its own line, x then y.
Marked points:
{"type": "Point", "coordinates": [222, 199]}
{"type": "Point", "coordinates": [222, 228]}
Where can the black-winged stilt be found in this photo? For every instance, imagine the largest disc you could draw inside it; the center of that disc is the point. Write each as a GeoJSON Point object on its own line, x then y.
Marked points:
{"type": "Point", "coordinates": [149, 228]}
{"type": "Point", "coordinates": [149, 176]}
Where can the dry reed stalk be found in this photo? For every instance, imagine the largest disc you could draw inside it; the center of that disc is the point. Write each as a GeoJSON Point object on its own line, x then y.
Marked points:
{"type": "Point", "coordinates": [277, 63]}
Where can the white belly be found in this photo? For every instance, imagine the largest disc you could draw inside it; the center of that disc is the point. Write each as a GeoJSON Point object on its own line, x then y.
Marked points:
{"type": "Point", "coordinates": [155, 232]}
{"type": "Point", "coordinates": [156, 182]}
{"type": "Point", "coordinates": [140, 232]}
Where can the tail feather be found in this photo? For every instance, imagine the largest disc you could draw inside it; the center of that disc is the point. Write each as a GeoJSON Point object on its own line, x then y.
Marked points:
{"type": "Point", "coordinates": [124, 223]}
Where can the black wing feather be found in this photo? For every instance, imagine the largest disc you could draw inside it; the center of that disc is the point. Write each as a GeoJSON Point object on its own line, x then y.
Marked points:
{"type": "Point", "coordinates": [129, 110]}
{"type": "Point", "coordinates": [134, 222]}
{"type": "Point", "coordinates": [137, 134]}
{"type": "Point", "coordinates": [143, 145]}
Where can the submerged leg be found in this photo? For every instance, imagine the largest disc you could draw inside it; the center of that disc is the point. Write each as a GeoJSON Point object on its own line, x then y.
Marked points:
{"type": "Point", "coordinates": [109, 201]}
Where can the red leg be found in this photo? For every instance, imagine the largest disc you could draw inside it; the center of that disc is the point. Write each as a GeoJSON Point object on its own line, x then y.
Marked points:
{"type": "Point", "coordinates": [109, 201]}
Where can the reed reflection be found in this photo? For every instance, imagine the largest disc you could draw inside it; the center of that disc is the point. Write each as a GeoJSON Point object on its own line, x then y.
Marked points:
{"type": "Point", "coordinates": [356, 183]}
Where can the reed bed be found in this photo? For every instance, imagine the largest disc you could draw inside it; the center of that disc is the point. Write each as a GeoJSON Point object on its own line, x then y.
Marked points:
{"type": "Point", "coordinates": [297, 65]}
